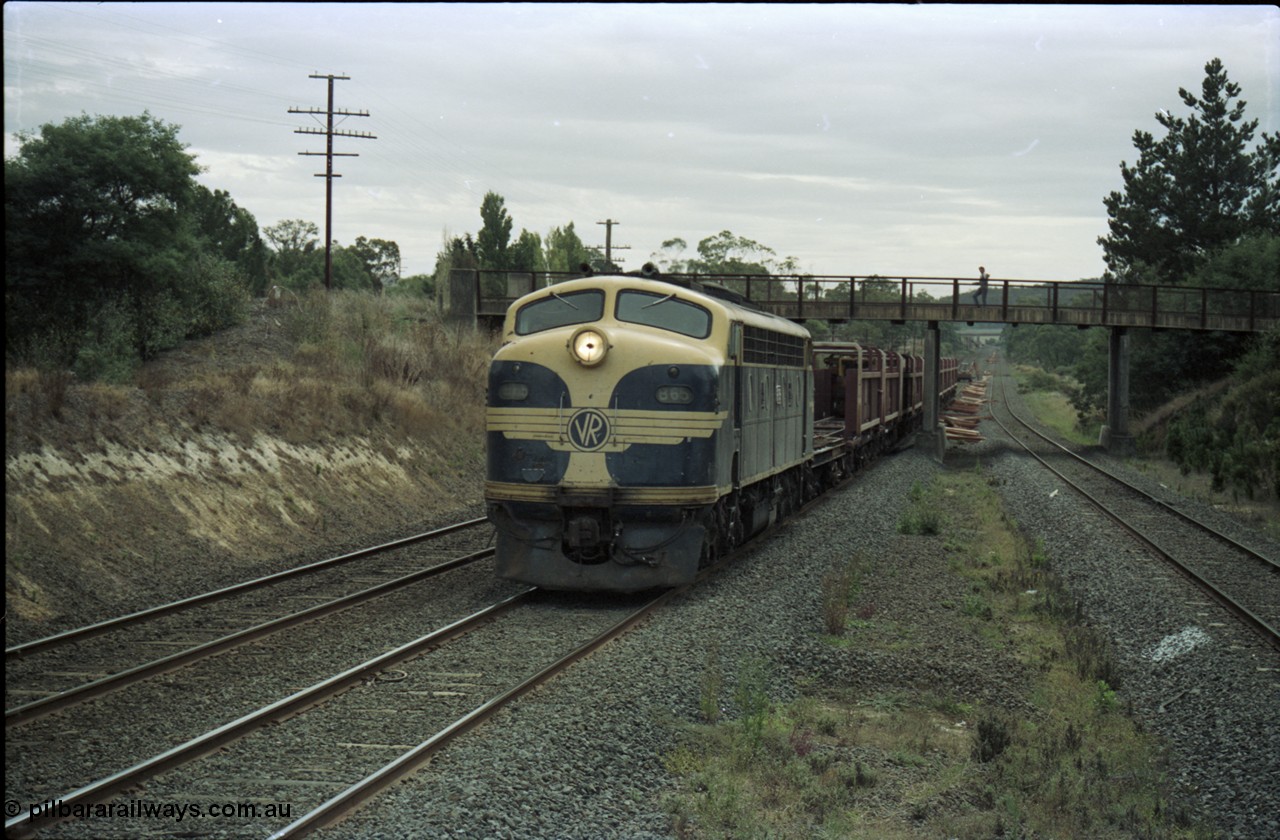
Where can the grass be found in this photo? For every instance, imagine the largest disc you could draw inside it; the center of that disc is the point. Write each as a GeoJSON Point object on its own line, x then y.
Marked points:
{"type": "Point", "coordinates": [1048, 398]}
{"type": "Point", "coordinates": [1045, 397]}
{"type": "Point", "coordinates": [902, 762]}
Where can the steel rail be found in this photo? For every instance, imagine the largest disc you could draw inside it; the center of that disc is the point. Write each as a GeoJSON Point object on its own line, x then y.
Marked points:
{"type": "Point", "coordinates": [348, 800]}
{"type": "Point", "coordinates": [1268, 633]}
{"type": "Point", "coordinates": [105, 788]}
{"type": "Point", "coordinates": [356, 795]}
{"type": "Point", "coordinates": [1208, 529]}
{"type": "Point", "coordinates": [74, 696]}
{"type": "Point", "coordinates": [91, 630]}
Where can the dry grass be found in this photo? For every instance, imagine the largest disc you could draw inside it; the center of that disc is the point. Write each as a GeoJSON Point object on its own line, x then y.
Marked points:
{"type": "Point", "coordinates": [347, 414]}
{"type": "Point", "coordinates": [358, 363]}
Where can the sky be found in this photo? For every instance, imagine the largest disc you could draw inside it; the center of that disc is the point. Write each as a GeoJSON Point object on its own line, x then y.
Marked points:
{"type": "Point", "coordinates": [903, 140]}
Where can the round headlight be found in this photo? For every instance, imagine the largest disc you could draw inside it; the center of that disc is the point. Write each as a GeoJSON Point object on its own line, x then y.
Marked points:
{"type": "Point", "coordinates": [588, 346]}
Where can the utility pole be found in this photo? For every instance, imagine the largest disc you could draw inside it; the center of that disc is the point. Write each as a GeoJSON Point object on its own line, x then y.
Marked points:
{"type": "Point", "coordinates": [329, 155]}
{"type": "Point", "coordinates": [608, 240]}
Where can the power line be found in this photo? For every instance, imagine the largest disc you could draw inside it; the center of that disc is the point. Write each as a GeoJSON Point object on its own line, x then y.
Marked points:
{"type": "Point", "coordinates": [329, 155]}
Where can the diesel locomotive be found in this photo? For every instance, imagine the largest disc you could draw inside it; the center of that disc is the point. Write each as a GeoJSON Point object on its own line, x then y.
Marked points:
{"type": "Point", "coordinates": [637, 428]}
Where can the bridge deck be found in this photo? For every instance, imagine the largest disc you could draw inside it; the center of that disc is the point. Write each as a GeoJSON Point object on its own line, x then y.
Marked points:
{"type": "Point", "coordinates": [838, 299]}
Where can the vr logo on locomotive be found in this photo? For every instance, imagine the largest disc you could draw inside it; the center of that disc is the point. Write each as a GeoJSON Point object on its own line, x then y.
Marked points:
{"type": "Point", "coordinates": [588, 429]}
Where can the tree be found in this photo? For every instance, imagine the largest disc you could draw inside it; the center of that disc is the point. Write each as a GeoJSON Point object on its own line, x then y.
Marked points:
{"type": "Point", "coordinates": [1236, 436]}
{"type": "Point", "coordinates": [415, 285]}
{"type": "Point", "coordinates": [103, 243]}
{"type": "Point", "coordinates": [380, 259]}
{"type": "Point", "coordinates": [565, 251]}
{"type": "Point", "coordinates": [495, 235]}
{"type": "Point", "coordinates": [1253, 262]}
{"type": "Point", "coordinates": [1053, 347]}
{"type": "Point", "coordinates": [455, 252]}
{"type": "Point", "coordinates": [230, 232]}
{"type": "Point", "coordinates": [90, 207]}
{"type": "Point", "coordinates": [349, 271]}
{"type": "Point", "coordinates": [526, 254]}
{"type": "Point", "coordinates": [296, 261]}
{"type": "Point", "coordinates": [671, 257]}
{"type": "Point", "coordinates": [1194, 191]}
{"type": "Point", "coordinates": [1198, 208]}
{"type": "Point", "coordinates": [725, 253]}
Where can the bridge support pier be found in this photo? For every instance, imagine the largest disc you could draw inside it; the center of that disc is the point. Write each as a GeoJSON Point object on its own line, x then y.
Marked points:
{"type": "Point", "coordinates": [460, 303]}
{"type": "Point", "coordinates": [933, 433]}
{"type": "Point", "coordinates": [1115, 437]}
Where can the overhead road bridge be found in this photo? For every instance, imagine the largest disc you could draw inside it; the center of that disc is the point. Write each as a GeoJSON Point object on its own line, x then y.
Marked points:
{"type": "Point", "coordinates": [482, 297]}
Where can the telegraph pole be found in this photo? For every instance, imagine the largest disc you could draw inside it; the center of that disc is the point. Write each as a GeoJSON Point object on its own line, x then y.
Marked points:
{"type": "Point", "coordinates": [329, 155]}
{"type": "Point", "coordinates": [608, 240]}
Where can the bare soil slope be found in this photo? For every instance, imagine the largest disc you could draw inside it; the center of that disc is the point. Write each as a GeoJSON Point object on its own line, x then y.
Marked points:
{"type": "Point", "coordinates": [121, 497]}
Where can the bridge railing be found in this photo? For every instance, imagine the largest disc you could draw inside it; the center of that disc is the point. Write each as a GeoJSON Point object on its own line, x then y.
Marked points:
{"type": "Point", "coordinates": [875, 297]}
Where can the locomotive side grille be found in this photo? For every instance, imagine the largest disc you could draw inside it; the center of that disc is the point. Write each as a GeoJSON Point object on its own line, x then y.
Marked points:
{"type": "Point", "coordinates": [761, 346]}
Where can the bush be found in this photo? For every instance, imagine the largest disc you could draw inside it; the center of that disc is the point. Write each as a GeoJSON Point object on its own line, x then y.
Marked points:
{"type": "Point", "coordinates": [992, 737]}
{"type": "Point", "coordinates": [920, 522]}
{"type": "Point", "coordinates": [1236, 439]}
{"type": "Point", "coordinates": [218, 296]}
{"type": "Point", "coordinates": [105, 351]}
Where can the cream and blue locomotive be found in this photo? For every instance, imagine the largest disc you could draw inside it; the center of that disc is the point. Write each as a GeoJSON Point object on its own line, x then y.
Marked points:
{"type": "Point", "coordinates": [638, 428]}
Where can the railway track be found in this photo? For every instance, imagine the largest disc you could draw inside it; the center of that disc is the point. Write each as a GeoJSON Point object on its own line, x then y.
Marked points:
{"type": "Point", "coordinates": [300, 751]}
{"type": "Point", "coordinates": [147, 713]}
{"type": "Point", "coordinates": [287, 751]}
{"type": "Point", "coordinates": [41, 676]}
{"type": "Point", "coordinates": [102, 627]}
{"type": "Point", "coordinates": [1243, 580]}
{"type": "Point", "coordinates": [206, 768]}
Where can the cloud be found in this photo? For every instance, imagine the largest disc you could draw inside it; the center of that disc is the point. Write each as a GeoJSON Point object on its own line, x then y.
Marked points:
{"type": "Point", "coordinates": [923, 136]}
{"type": "Point", "coordinates": [1027, 150]}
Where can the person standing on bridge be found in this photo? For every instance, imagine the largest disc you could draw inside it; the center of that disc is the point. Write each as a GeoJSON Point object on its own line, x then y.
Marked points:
{"type": "Point", "coordinates": [982, 287]}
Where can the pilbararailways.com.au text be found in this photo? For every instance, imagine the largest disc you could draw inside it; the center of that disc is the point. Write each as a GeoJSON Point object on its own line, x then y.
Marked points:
{"type": "Point", "coordinates": [141, 809]}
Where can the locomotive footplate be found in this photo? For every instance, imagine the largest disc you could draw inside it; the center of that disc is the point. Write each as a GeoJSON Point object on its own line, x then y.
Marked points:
{"type": "Point", "coordinates": [622, 549]}
{"type": "Point", "coordinates": [578, 497]}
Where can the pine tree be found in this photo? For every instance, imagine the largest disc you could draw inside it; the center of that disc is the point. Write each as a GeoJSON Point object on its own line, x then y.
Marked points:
{"type": "Point", "coordinates": [1198, 189]}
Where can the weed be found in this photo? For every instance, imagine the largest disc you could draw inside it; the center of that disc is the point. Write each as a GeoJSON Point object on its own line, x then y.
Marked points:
{"type": "Point", "coordinates": [992, 737]}
{"type": "Point", "coordinates": [53, 386]}
{"type": "Point", "coordinates": [709, 689]}
{"type": "Point", "coordinates": [1092, 653]}
{"type": "Point", "coordinates": [840, 589]}
{"type": "Point", "coordinates": [801, 742]}
{"type": "Point", "coordinates": [835, 603]}
{"type": "Point", "coordinates": [1105, 698]}
{"type": "Point", "coordinates": [920, 522]}
{"type": "Point", "coordinates": [1071, 767]}
{"type": "Point", "coordinates": [977, 607]}
{"type": "Point", "coordinates": [751, 696]}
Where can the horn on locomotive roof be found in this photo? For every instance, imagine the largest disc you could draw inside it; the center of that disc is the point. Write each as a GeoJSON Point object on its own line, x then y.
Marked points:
{"type": "Point", "coordinates": [649, 270]}
{"type": "Point", "coordinates": [587, 270]}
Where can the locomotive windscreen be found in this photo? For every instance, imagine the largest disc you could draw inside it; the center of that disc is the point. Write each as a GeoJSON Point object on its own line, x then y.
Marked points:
{"type": "Point", "coordinates": [560, 311]}
{"type": "Point", "coordinates": [664, 312]}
